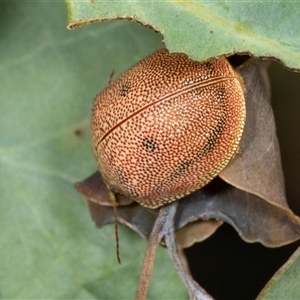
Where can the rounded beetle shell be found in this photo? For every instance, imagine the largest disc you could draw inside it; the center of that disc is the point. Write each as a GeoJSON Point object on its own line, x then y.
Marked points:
{"type": "Point", "coordinates": [167, 126]}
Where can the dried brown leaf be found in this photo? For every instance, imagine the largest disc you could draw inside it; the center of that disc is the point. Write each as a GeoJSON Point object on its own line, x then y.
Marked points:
{"type": "Point", "coordinates": [257, 169]}
{"type": "Point", "coordinates": [136, 217]}
{"type": "Point", "coordinates": [95, 190]}
{"type": "Point", "coordinates": [255, 220]}
{"type": "Point", "coordinates": [195, 232]}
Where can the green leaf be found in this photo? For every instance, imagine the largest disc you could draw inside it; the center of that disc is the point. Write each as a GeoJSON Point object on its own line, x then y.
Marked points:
{"type": "Point", "coordinates": [285, 282]}
{"type": "Point", "coordinates": [50, 248]}
{"type": "Point", "coordinates": [205, 29]}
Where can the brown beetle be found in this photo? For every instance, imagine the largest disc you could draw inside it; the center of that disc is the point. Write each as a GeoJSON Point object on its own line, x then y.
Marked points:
{"type": "Point", "coordinates": [167, 126]}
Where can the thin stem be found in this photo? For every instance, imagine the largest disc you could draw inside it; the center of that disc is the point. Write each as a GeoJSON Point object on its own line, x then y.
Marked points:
{"type": "Point", "coordinates": [117, 233]}
{"type": "Point", "coordinates": [195, 291]}
{"type": "Point", "coordinates": [158, 232]}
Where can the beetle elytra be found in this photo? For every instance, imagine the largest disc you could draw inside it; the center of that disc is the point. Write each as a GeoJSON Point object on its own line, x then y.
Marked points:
{"type": "Point", "coordinates": [167, 126]}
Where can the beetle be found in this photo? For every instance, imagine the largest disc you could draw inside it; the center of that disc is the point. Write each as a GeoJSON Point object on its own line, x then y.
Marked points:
{"type": "Point", "coordinates": [167, 126]}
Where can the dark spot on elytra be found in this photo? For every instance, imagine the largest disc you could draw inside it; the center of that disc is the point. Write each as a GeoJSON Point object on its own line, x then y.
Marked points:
{"type": "Point", "coordinates": [125, 89]}
{"type": "Point", "coordinates": [149, 144]}
{"type": "Point", "coordinates": [209, 66]}
{"type": "Point", "coordinates": [213, 137]}
{"type": "Point", "coordinates": [182, 168]}
{"type": "Point", "coordinates": [221, 92]}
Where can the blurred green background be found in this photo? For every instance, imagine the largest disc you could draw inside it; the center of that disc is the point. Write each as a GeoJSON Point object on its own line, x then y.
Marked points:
{"type": "Point", "coordinates": [49, 76]}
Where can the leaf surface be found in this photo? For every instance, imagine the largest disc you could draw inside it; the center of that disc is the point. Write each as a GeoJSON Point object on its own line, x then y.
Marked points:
{"type": "Point", "coordinates": [50, 248]}
{"type": "Point", "coordinates": [285, 282]}
{"type": "Point", "coordinates": [206, 29]}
